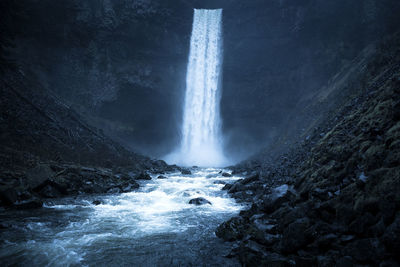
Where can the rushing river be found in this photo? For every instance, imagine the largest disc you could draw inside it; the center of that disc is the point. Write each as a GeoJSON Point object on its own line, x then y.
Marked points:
{"type": "Point", "coordinates": [154, 226]}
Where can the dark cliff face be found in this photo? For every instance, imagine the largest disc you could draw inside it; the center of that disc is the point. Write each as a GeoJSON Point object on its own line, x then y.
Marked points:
{"type": "Point", "coordinates": [278, 54]}
{"type": "Point", "coordinates": [122, 64]}
{"type": "Point", "coordinates": [119, 63]}
{"type": "Point", "coordinates": [332, 200]}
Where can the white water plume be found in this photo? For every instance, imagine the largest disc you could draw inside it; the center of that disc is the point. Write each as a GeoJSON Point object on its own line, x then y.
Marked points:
{"type": "Point", "coordinates": [201, 142]}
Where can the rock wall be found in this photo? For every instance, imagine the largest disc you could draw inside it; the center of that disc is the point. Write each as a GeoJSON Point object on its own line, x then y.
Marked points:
{"type": "Point", "coordinates": [122, 64]}
{"type": "Point", "coordinates": [333, 199]}
{"type": "Point", "coordinates": [48, 150]}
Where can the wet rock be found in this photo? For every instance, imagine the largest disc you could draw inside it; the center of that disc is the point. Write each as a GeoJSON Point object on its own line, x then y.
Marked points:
{"type": "Point", "coordinates": [49, 191]}
{"type": "Point", "coordinates": [232, 229]}
{"type": "Point", "coordinates": [220, 182]}
{"type": "Point", "coordinates": [250, 179]}
{"type": "Point", "coordinates": [377, 229]}
{"type": "Point", "coordinates": [236, 187]}
{"type": "Point", "coordinates": [186, 172]}
{"type": "Point", "coordinates": [251, 253]}
{"type": "Point", "coordinates": [322, 194]}
{"type": "Point", "coordinates": [295, 236]}
{"type": "Point", "coordinates": [389, 263]}
{"type": "Point", "coordinates": [160, 164]}
{"type": "Point", "coordinates": [345, 261]}
{"type": "Point", "coordinates": [171, 168]}
{"type": "Point", "coordinates": [29, 204]}
{"type": "Point", "coordinates": [38, 175]}
{"type": "Point", "coordinates": [8, 196]}
{"type": "Point", "coordinates": [345, 214]}
{"type": "Point", "coordinates": [346, 238]}
{"type": "Point", "coordinates": [326, 241]}
{"type": "Point", "coordinates": [227, 187]}
{"type": "Point", "coordinates": [4, 226]}
{"type": "Point", "coordinates": [365, 250]}
{"type": "Point", "coordinates": [387, 209]}
{"type": "Point", "coordinates": [128, 187]}
{"type": "Point", "coordinates": [199, 201]}
{"type": "Point", "coordinates": [370, 205]}
{"type": "Point", "coordinates": [323, 260]}
{"type": "Point", "coordinates": [114, 190]}
{"type": "Point", "coordinates": [96, 202]}
{"type": "Point", "coordinates": [143, 176]}
{"type": "Point", "coordinates": [277, 198]}
{"type": "Point", "coordinates": [361, 223]}
{"type": "Point", "coordinates": [161, 177]}
{"type": "Point", "coordinates": [391, 237]}
{"type": "Point", "coordinates": [225, 174]}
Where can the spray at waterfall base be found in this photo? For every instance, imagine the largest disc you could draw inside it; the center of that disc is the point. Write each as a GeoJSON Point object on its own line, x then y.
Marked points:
{"type": "Point", "coordinates": [201, 142]}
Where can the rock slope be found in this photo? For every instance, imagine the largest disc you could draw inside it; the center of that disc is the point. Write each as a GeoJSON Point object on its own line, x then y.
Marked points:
{"type": "Point", "coordinates": [332, 199]}
{"type": "Point", "coordinates": [48, 151]}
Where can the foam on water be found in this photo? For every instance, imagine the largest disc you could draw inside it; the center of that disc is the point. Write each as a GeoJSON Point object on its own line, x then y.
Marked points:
{"type": "Point", "coordinates": [130, 226]}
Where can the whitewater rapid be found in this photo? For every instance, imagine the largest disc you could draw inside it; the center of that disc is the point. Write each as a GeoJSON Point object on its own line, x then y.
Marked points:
{"type": "Point", "coordinates": [154, 226]}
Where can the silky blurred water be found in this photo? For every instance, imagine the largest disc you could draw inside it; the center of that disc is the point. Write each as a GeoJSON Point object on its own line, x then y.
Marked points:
{"type": "Point", "coordinates": [201, 142]}
{"type": "Point", "coordinates": [154, 226]}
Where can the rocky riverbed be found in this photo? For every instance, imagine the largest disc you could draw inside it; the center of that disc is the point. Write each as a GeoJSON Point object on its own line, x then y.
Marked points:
{"type": "Point", "coordinates": [165, 222]}
{"type": "Point", "coordinates": [29, 188]}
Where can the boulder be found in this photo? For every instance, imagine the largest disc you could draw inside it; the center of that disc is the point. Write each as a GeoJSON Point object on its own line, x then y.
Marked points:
{"type": "Point", "coordinates": [295, 236]}
{"type": "Point", "coordinates": [29, 204]}
{"type": "Point", "coordinates": [251, 253]}
{"type": "Point", "coordinates": [391, 237]}
{"type": "Point", "coordinates": [114, 190]}
{"type": "Point", "coordinates": [367, 250]}
{"type": "Point", "coordinates": [225, 174]}
{"type": "Point", "coordinates": [250, 179]}
{"type": "Point", "coordinates": [277, 198]}
{"type": "Point", "coordinates": [143, 176]}
{"type": "Point", "coordinates": [345, 261]}
{"type": "Point", "coordinates": [38, 175]}
{"type": "Point", "coordinates": [8, 196]}
{"type": "Point", "coordinates": [49, 191]}
{"type": "Point", "coordinates": [128, 187]}
{"type": "Point", "coordinates": [161, 177]}
{"type": "Point", "coordinates": [232, 229]}
{"type": "Point", "coordinates": [227, 187]}
{"type": "Point", "coordinates": [186, 171]}
{"type": "Point", "coordinates": [237, 187]}
{"type": "Point", "coordinates": [199, 201]}
{"type": "Point", "coordinates": [361, 223]}
{"type": "Point", "coordinates": [96, 202]}
{"type": "Point", "coordinates": [326, 241]}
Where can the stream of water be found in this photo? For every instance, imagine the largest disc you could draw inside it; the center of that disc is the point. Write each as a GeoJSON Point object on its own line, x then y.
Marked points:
{"type": "Point", "coordinates": [201, 142]}
{"type": "Point", "coordinates": [154, 226]}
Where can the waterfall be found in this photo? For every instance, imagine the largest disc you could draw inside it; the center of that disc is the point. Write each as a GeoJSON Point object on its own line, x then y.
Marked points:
{"type": "Point", "coordinates": [201, 128]}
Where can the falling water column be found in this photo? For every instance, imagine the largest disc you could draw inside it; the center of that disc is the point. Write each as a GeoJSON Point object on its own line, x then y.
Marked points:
{"type": "Point", "coordinates": [201, 128]}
